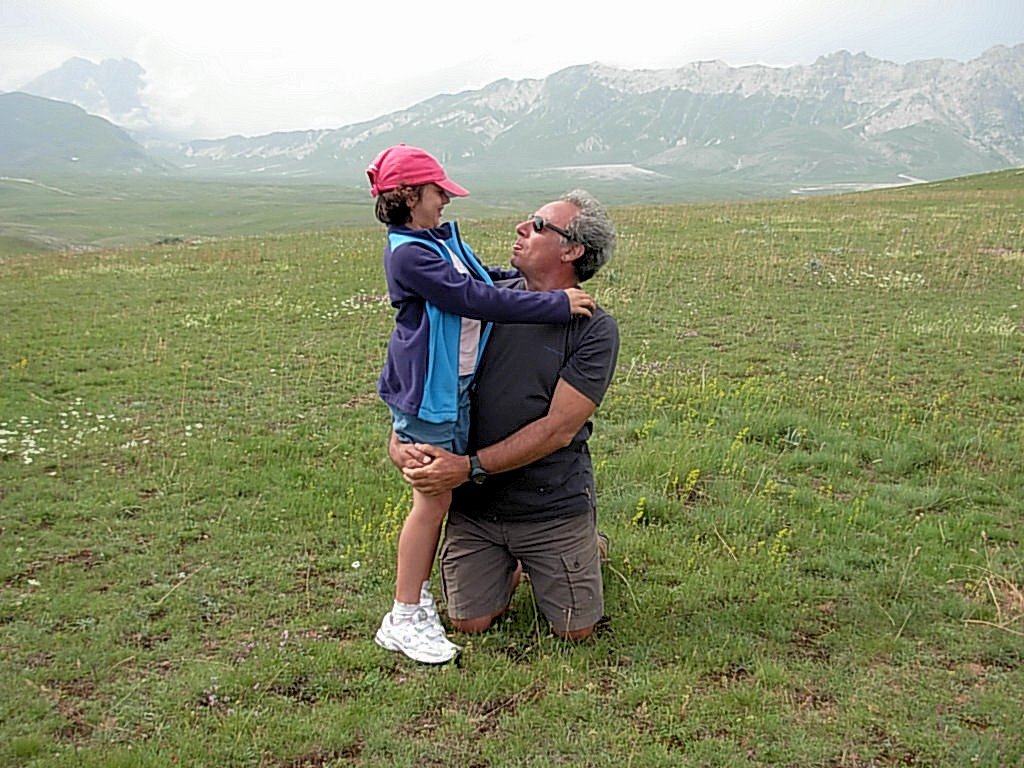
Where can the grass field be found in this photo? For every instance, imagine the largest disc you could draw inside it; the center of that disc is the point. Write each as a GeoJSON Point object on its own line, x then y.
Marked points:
{"type": "Point", "coordinates": [84, 214]}
{"type": "Point", "coordinates": [810, 466]}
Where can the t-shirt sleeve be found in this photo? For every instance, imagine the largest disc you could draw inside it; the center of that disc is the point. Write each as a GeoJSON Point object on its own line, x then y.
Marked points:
{"type": "Point", "coordinates": [591, 363]}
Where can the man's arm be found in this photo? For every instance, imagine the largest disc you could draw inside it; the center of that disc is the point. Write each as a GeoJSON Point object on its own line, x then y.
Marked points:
{"type": "Point", "coordinates": [568, 412]}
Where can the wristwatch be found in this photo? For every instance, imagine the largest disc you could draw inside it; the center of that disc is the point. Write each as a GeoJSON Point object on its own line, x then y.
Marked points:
{"type": "Point", "coordinates": [476, 473]}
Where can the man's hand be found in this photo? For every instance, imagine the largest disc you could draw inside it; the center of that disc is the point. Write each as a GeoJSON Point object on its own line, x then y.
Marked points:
{"type": "Point", "coordinates": [440, 471]}
{"type": "Point", "coordinates": [406, 455]}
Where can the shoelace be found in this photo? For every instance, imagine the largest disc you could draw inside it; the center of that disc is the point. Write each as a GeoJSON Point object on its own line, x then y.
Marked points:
{"type": "Point", "coordinates": [423, 624]}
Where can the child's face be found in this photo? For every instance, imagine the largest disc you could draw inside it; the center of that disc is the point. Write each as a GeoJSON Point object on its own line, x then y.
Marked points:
{"type": "Point", "coordinates": [426, 209]}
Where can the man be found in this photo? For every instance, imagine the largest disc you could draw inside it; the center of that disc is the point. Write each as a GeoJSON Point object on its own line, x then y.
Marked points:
{"type": "Point", "coordinates": [529, 505]}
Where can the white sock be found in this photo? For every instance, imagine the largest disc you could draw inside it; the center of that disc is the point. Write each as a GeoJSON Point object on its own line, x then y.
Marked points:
{"type": "Point", "coordinates": [403, 611]}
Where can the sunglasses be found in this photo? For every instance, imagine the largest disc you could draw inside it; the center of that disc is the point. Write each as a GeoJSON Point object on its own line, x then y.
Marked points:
{"type": "Point", "coordinates": [539, 224]}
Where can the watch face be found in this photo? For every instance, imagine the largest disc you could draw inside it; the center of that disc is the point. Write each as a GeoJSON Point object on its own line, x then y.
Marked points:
{"type": "Point", "coordinates": [476, 473]}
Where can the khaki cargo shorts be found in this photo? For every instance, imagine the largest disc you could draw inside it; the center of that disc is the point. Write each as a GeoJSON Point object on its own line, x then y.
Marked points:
{"type": "Point", "coordinates": [480, 555]}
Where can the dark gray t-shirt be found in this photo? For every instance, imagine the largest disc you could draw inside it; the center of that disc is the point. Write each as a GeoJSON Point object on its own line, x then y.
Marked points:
{"type": "Point", "coordinates": [514, 385]}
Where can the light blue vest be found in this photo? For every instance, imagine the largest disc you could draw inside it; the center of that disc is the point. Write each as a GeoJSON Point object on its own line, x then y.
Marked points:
{"type": "Point", "coordinates": [441, 388]}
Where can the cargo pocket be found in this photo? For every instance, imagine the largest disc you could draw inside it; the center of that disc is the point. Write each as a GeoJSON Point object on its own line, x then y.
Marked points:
{"type": "Point", "coordinates": [584, 598]}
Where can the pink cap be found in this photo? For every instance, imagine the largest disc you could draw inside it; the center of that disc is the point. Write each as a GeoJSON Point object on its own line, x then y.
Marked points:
{"type": "Point", "coordinates": [402, 164]}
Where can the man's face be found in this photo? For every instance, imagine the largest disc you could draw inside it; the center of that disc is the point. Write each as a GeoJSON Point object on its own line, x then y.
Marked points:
{"type": "Point", "coordinates": [536, 252]}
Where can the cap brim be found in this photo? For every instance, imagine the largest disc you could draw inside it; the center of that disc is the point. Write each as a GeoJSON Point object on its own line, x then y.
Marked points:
{"type": "Point", "coordinates": [452, 188]}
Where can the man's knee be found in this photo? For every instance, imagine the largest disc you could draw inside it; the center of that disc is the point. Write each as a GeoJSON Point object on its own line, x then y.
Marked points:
{"type": "Point", "coordinates": [472, 626]}
{"type": "Point", "coordinates": [575, 634]}
{"type": "Point", "coordinates": [482, 624]}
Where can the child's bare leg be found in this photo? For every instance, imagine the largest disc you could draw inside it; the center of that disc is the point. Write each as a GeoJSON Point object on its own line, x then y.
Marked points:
{"type": "Point", "coordinates": [417, 544]}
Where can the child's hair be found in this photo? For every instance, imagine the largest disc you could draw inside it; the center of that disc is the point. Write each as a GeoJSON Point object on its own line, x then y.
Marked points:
{"type": "Point", "coordinates": [393, 206]}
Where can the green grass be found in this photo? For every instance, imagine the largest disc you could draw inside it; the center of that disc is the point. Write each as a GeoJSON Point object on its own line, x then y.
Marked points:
{"type": "Point", "coordinates": [809, 464]}
{"type": "Point", "coordinates": [88, 214]}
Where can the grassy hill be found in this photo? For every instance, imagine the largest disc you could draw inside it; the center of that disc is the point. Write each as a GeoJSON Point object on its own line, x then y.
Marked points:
{"type": "Point", "coordinates": [809, 464]}
{"type": "Point", "coordinates": [79, 213]}
{"type": "Point", "coordinates": [44, 136]}
{"type": "Point", "coordinates": [89, 213]}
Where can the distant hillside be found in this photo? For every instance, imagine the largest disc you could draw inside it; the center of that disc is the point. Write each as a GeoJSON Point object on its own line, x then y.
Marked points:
{"type": "Point", "coordinates": [706, 130]}
{"type": "Point", "coordinates": [845, 120]}
{"type": "Point", "coordinates": [52, 138]}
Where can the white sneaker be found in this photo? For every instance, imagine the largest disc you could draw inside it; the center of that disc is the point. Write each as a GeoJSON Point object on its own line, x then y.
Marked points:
{"type": "Point", "coordinates": [427, 604]}
{"type": "Point", "coordinates": [421, 638]}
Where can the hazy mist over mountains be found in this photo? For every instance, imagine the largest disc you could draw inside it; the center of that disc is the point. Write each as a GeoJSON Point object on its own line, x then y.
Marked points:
{"type": "Point", "coordinates": [845, 121]}
{"type": "Point", "coordinates": [114, 89]}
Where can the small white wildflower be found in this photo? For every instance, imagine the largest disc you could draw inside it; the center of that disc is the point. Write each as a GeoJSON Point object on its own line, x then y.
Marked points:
{"type": "Point", "coordinates": [356, 564]}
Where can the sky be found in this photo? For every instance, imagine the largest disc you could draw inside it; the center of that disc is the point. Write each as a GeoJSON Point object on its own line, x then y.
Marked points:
{"type": "Point", "coordinates": [216, 68]}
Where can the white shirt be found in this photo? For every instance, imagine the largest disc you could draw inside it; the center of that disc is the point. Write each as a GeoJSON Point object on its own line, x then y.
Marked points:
{"type": "Point", "coordinates": [469, 335]}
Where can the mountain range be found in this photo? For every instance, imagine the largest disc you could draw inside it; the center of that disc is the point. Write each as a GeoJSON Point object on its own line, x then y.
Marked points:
{"type": "Point", "coordinates": [844, 121]}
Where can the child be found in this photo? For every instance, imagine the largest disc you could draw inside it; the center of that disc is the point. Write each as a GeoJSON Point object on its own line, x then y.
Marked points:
{"type": "Point", "coordinates": [444, 299]}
